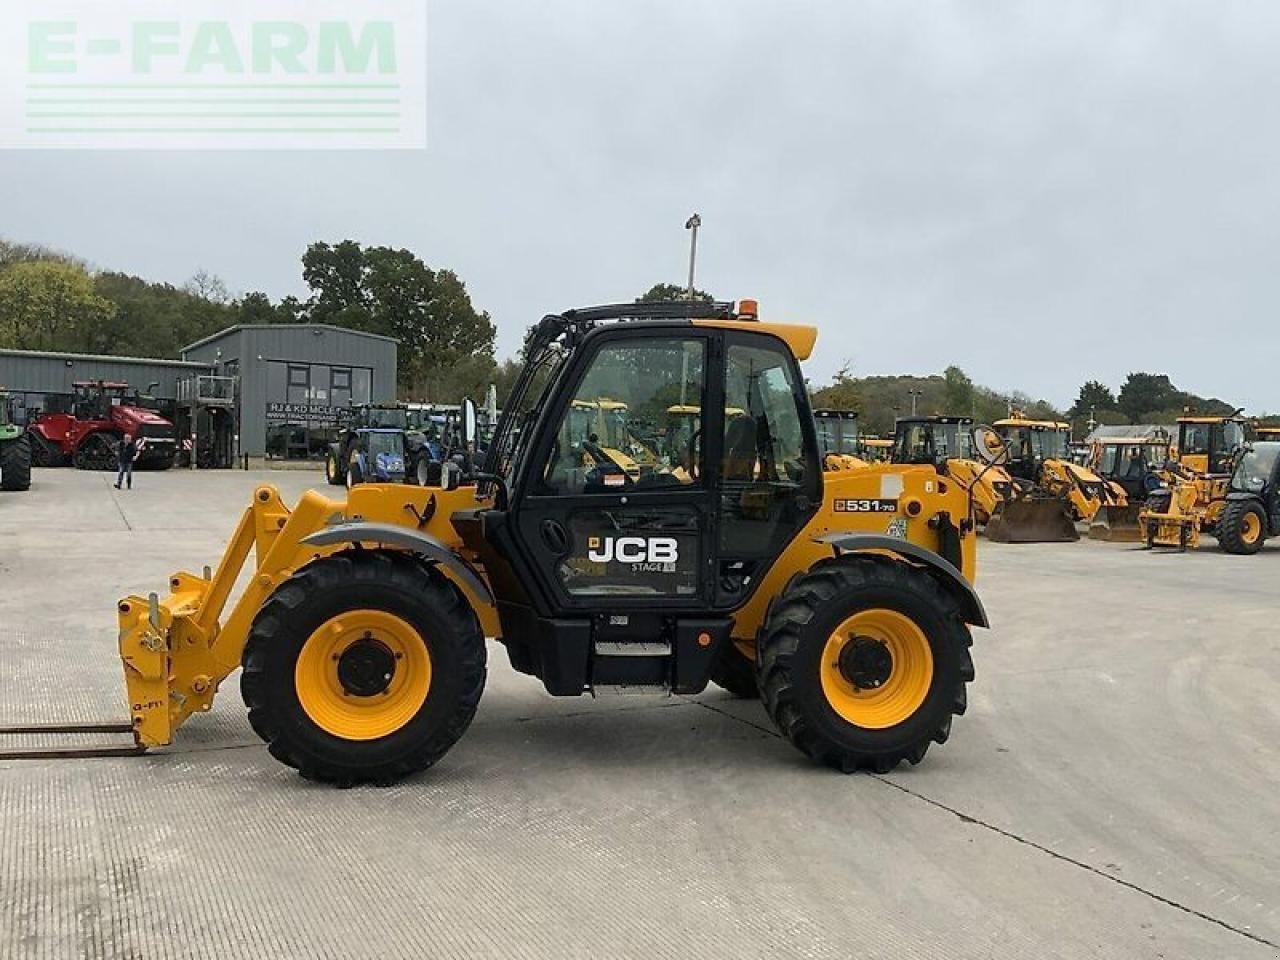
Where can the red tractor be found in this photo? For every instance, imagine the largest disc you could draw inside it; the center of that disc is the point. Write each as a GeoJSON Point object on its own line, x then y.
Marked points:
{"type": "Point", "coordinates": [102, 412]}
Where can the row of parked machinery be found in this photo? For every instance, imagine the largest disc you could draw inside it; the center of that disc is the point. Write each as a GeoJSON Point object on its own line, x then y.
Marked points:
{"type": "Point", "coordinates": [400, 443]}
{"type": "Point", "coordinates": [1027, 487]}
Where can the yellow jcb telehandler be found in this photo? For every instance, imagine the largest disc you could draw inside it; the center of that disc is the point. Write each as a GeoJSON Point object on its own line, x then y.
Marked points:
{"type": "Point", "coordinates": [1050, 493]}
{"type": "Point", "coordinates": [848, 597]}
{"type": "Point", "coordinates": [961, 452]}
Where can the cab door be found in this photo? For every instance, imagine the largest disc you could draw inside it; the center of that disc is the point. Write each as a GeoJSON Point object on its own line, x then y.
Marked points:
{"type": "Point", "coordinates": [615, 511]}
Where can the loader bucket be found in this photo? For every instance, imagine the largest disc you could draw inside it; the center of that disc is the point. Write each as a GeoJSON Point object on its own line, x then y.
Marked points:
{"type": "Point", "coordinates": [1032, 520]}
{"type": "Point", "coordinates": [1117, 524]}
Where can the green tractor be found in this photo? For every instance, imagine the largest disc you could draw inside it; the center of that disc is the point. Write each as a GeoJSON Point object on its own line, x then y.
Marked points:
{"type": "Point", "coordinates": [15, 449]}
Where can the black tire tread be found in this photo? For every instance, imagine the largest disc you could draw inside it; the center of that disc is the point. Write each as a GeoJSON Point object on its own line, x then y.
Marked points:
{"type": "Point", "coordinates": [446, 604]}
{"type": "Point", "coordinates": [1230, 527]}
{"type": "Point", "coordinates": [793, 610]}
{"type": "Point", "coordinates": [15, 463]}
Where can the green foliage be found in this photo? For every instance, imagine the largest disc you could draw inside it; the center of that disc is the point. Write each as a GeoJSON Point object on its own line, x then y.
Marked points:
{"type": "Point", "coordinates": [842, 393]}
{"type": "Point", "coordinates": [958, 393]}
{"type": "Point", "coordinates": [154, 319]}
{"type": "Point", "coordinates": [49, 305]}
{"type": "Point", "coordinates": [443, 338]}
{"type": "Point", "coordinates": [1094, 397]}
{"type": "Point", "coordinates": [881, 400]}
{"type": "Point", "coordinates": [1152, 398]}
{"type": "Point", "coordinates": [670, 293]}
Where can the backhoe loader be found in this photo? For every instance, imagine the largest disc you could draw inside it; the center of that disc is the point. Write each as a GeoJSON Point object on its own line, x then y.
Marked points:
{"type": "Point", "coordinates": [1197, 482]}
{"type": "Point", "coordinates": [947, 443]}
{"type": "Point", "coordinates": [1138, 465]}
{"type": "Point", "coordinates": [1050, 494]}
{"type": "Point", "coordinates": [361, 631]}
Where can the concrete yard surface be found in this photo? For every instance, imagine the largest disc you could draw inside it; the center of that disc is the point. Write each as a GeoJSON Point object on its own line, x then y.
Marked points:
{"type": "Point", "coordinates": [1113, 791]}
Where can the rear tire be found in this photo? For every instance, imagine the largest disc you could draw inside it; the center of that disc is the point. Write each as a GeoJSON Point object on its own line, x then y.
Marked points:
{"type": "Point", "coordinates": [796, 643]}
{"type": "Point", "coordinates": [344, 585]}
{"type": "Point", "coordinates": [1242, 527]}
{"type": "Point", "coordinates": [331, 473]}
{"type": "Point", "coordinates": [736, 672]}
{"type": "Point", "coordinates": [15, 464]}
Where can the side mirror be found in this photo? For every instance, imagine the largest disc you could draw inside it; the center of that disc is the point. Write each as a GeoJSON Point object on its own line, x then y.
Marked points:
{"type": "Point", "coordinates": [990, 446]}
{"type": "Point", "coordinates": [470, 426]}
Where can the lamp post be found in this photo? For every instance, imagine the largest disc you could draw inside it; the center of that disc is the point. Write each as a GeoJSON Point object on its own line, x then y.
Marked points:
{"type": "Point", "coordinates": [914, 395]}
{"type": "Point", "coordinates": [692, 225]}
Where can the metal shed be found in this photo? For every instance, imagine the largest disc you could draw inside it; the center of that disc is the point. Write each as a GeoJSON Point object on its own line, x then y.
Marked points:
{"type": "Point", "coordinates": [297, 381]}
{"type": "Point", "coordinates": [36, 377]}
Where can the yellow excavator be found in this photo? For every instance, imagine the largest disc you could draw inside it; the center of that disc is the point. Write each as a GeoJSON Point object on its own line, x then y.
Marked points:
{"type": "Point", "coordinates": [1050, 493]}
{"type": "Point", "coordinates": [948, 443]}
{"type": "Point", "coordinates": [361, 627]}
{"type": "Point", "coordinates": [1197, 482]}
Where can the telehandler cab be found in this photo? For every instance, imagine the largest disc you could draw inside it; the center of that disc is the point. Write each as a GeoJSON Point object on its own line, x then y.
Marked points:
{"type": "Point", "coordinates": [847, 597]}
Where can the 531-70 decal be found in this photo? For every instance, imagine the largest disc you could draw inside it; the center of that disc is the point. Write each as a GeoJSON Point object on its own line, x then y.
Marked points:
{"type": "Point", "coordinates": [866, 506]}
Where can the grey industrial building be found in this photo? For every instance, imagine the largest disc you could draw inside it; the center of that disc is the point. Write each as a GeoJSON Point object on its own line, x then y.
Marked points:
{"type": "Point", "coordinates": [293, 383]}
{"type": "Point", "coordinates": [296, 381]}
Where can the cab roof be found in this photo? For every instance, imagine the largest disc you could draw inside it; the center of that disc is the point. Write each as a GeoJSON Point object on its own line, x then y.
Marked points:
{"type": "Point", "coordinates": [1033, 424]}
{"type": "Point", "coordinates": [934, 418]}
{"type": "Point", "coordinates": [744, 315]}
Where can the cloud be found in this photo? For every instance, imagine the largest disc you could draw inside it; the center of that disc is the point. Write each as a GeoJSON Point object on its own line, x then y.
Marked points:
{"type": "Point", "coordinates": [1042, 193]}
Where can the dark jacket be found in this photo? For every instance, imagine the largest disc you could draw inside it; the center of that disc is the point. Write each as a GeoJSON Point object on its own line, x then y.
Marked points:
{"type": "Point", "coordinates": [128, 452]}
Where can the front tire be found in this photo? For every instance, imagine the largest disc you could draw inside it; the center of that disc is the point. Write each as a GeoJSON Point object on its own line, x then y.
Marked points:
{"type": "Point", "coordinates": [863, 662]}
{"type": "Point", "coordinates": [1242, 527]}
{"type": "Point", "coordinates": [365, 666]}
{"type": "Point", "coordinates": [15, 464]}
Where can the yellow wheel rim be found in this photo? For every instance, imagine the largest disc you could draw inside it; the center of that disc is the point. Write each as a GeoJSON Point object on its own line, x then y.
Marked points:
{"type": "Point", "coordinates": [1250, 528]}
{"type": "Point", "coordinates": [877, 668]}
{"type": "Point", "coordinates": [363, 674]}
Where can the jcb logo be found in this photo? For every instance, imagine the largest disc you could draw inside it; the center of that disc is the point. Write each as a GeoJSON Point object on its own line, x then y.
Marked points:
{"type": "Point", "coordinates": [633, 550]}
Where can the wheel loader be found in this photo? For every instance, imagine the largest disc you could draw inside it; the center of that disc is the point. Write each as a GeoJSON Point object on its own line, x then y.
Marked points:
{"type": "Point", "coordinates": [847, 598]}
{"type": "Point", "coordinates": [1138, 466]}
{"type": "Point", "coordinates": [1050, 494]}
{"type": "Point", "coordinates": [947, 444]}
{"type": "Point", "coordinates": [1196, 483]}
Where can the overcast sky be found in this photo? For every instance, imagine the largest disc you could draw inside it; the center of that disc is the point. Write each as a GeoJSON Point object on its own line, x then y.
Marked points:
{"type": "Point", "coordinates": [1040, 193]}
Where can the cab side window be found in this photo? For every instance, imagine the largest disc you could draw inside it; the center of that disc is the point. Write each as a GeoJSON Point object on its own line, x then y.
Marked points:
{"type": "Point", "coordinates": [765, 465]}
{"type": "Point", "coordinates": [634, 422]}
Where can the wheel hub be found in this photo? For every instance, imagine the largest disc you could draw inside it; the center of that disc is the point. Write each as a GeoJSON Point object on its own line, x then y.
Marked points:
{"type": "Point", "coordinates": [866, 663]}
{"type": "Point", "coordinates": [366, 668]}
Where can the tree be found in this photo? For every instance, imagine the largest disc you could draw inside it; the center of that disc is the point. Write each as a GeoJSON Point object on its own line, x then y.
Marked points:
{"type": "Point", "coordinates": [1094, 397]}
{"type": "Point", "coordinates": [1145, 393]}
{"type": "Point", "coordinates": [393, 293]}
{"type": "Point", "coordinates": [156, 319]}
{"type": "Point", "coordinates": [841, 394]}
{"type": "Point", "coordinates": [208, 286]}
{"type": "Point", "coordinates": [47, 305]}
{"type": "Point", "coordinates": [670, 293]}
{"type": "Point", "coordinates": [957, 392]}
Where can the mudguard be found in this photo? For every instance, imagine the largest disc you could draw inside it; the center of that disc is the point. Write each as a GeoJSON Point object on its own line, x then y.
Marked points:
{"type": "Point", "coordinates": [971, 605]}
{"type": "Point", "coordinates": [406, 539]}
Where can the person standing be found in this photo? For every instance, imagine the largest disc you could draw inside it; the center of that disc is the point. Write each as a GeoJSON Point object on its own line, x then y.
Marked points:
{"type": "Point", "coordinates": [128, 452]}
